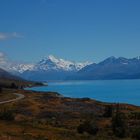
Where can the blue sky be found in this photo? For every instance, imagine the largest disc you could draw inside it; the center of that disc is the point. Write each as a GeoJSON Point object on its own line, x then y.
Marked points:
{"type": "Point", "coordinates": [78, 30]}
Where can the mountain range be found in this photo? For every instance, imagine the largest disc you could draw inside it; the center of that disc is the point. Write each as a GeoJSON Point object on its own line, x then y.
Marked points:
{"type": "Point", "coordinates": [48, 68]}
{"type": "Point", "coordinates": [52, 68]}
{"type": "Point", "coordinates": [111, 68]}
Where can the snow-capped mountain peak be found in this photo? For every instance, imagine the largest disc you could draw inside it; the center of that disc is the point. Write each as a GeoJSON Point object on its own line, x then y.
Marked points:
{"type": "Point", "coordinates": [54, 63]}
{"type": "Point", "coordinates": [49, 67]}
{"type": "Point", "coordinates": [53, 58]}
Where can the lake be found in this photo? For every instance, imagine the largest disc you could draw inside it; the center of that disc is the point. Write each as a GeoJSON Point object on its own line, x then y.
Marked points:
{"type": "Point", "coordinates": [118, 91]}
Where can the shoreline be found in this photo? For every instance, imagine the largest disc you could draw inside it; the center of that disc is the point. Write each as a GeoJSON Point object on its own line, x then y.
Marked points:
{"type": "Point", "coordinates": [80, 98]}
{"type": "Point", "coordinates": [62, 116]}
{"type": "Point", "coordinates": [62, 95]}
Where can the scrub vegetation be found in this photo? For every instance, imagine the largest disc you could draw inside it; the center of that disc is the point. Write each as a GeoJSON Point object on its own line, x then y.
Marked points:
{"type": "Point", "coordinates": [49, 116]}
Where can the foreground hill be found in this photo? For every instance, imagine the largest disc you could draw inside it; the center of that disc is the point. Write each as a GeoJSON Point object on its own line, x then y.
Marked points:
{"type": "Point", "coordinates": [49, 116]}
{"type": "Point", "coordinates": [6, 75]}
{"type": "Point", "coordinates": [11, 81]}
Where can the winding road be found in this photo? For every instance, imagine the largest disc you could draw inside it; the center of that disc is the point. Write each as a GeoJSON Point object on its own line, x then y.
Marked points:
{"type": "Point", "coordinates": [19, 97]}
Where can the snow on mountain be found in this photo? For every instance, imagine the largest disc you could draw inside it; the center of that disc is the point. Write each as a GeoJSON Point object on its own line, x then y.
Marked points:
{"type": "Point", "coordinates": [53, 63]}
{"type": "Point", "coordinates": [46, 64]}
{"type": "Point", "coordinates": [14, 67]}
{"type": "Point", "coordinates": [51, 68]}
{"type": "Point", "coordinates": [20, 68]}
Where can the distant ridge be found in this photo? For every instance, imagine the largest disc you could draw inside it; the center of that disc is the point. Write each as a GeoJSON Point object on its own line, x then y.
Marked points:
{"type": "Point", "coordinates": [111, 68]}
{"type": "Point", "coordinates": [53, 68]}
{"type": "Point", "coordinates": [6, 75]}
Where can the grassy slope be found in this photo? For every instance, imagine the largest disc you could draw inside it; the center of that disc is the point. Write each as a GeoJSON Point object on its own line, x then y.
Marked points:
{"type": "Point", "coordinates": [6, 95]}
{"type": "Point", "coordinates": [49, 116]}
{"type": "Point", "coordinates": [4, 82]}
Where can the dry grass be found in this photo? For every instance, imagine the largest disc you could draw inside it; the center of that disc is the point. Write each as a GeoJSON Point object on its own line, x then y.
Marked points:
{"type": "Point", "coordinates": [42, 116]}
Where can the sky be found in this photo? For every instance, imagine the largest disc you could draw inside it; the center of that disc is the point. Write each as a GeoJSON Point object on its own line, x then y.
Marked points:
{"type": "Point", "coordinates": [79, 30]}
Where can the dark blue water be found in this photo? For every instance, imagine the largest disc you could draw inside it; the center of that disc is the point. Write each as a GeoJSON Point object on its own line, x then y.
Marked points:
{"type": "Point", "coordinates": [122, 91]}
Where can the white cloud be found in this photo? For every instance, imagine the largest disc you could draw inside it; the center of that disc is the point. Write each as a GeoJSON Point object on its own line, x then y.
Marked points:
{"type": "Point", "coordinates": [3, 60]}
{"type": "Point", "coordinates": [5, 36]}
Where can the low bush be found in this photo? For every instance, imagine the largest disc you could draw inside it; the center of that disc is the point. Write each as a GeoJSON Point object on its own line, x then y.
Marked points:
{"type": "Point", "coordinates": [119, 125]}
{"type": "Point", "coordinates": [89, 127]}
{"type": "Point", "coordinates": [108, 111]}
{"type": "Point", "coordinates": [136, 133]}
{"type": "Point", "coordinates": [6, 114]}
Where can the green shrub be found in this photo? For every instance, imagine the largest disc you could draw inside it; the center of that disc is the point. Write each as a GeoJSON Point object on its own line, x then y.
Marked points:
{"type": "Point", "coordinates": [81, 129]}
{"type": "Point", "coordinates": [39, 137]}
{"type": "Point", "coordinates": [0, 89]}
{"type": "Point", "coordinates": [6, 114]}
{"type": "Point", "coordinates": [119, 125]}
{"type": "Point", "coordinates": [89, 127]}
{"type": "Point", "coordinates": [136, 133]}
{"type": "Point", "coordinates": [108, 111]}
{"type": "Point", "coordinates": [13, 86]}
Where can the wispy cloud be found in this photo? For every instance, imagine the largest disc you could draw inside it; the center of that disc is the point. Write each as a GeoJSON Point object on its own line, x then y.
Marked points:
{"type": "Point", "coordinates": [6, 36]}
{"type": "Point", "coordinates": [3, 58]}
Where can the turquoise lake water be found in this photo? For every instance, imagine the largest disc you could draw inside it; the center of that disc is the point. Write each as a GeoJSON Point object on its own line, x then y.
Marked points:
{"type": "Point", "coordinates": [118, 91]}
